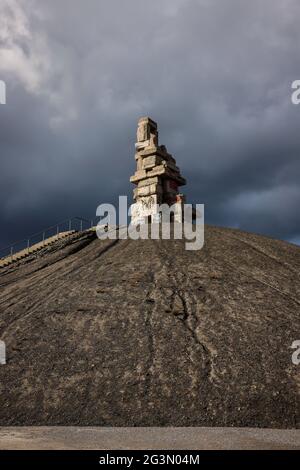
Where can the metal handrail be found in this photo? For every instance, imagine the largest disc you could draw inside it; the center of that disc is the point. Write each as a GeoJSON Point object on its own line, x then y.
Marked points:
{"type": "Point", "coordinates": [26, 241]}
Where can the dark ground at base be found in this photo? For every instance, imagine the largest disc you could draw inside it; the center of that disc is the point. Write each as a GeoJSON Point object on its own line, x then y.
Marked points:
{"type": "Point", "coordinates": [145, 333]}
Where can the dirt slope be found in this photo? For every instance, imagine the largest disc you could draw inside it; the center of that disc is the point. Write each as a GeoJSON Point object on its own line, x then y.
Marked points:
{"type": "Point", "coordinates": [146, 333]}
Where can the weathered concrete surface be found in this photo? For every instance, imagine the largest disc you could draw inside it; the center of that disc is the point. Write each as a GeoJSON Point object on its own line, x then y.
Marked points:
{"type": "Point", "coordinates": [89, 438]}
{"type": "Point", "coordinates": [154, 162]}
{"type": "Point", "coordinates": [145, 333]}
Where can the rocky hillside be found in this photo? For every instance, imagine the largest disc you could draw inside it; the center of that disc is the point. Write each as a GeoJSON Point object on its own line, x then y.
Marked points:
{"type": "Point", "coordinates": [146, 333]}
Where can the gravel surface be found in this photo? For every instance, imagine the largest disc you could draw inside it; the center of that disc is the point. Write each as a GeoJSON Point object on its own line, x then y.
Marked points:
{"type": "Point", "coordinates": [146, 333]}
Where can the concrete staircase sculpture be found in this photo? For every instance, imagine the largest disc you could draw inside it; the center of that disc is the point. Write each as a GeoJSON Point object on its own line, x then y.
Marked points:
{"type": "Point", "coordinates": [34, 248]}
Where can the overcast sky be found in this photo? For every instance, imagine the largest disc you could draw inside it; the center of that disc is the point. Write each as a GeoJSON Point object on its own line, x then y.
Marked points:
{"type": "Point", "coordinates": [215, 74]}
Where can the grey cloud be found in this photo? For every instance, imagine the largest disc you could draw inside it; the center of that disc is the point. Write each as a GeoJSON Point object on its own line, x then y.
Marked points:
{"type": "Point", "coordinates": [215, 75]}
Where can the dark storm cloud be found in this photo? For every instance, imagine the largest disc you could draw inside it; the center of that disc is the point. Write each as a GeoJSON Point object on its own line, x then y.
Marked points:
{"type": "Point", "coordinates": [216, 75]}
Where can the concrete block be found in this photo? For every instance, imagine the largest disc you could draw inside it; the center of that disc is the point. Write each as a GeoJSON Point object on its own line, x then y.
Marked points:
{"type": "Point", "coordinates": [151, 162]}
{"type": "Point", "coordinates": [148, 181]}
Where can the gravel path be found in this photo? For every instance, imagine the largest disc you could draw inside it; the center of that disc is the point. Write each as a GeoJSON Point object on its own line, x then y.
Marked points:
{"type": "Point", "coordinates": [147, 438]}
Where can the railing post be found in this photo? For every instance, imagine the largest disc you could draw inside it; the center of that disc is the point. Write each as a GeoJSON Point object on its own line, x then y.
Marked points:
{"type": "Point", "coordinates": [27, 241]}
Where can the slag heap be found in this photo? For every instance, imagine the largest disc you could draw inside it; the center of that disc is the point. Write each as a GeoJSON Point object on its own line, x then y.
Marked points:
{"type": "Point", "coordinates": [157, 177]}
